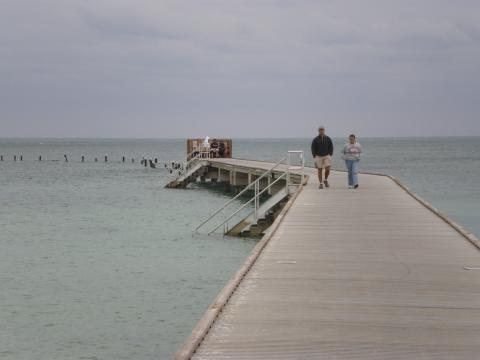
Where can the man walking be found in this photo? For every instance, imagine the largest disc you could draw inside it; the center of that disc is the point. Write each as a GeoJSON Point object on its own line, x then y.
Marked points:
{"type": "Point", "coordinates": [322, 151]}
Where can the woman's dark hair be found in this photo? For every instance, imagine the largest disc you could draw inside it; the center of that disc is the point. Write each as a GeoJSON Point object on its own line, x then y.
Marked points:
{"type": "Point", "coordinates": [352, 135]}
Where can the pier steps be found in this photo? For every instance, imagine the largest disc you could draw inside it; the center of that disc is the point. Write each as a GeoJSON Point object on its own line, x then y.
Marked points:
{"type": "Point", "coordinates": [245, 225]}
{"type": "Point", "coordinates": [190, 174]}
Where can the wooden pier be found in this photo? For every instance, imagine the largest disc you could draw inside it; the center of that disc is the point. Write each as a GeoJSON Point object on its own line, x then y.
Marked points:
{"type": "Point", "coordinates": [372, 273]}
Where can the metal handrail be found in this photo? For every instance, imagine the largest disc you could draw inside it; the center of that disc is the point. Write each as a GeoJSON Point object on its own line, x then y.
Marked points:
{"type": "Point", "coordinates": [190, 154]}
{"type": "Point", "coordinates": [248, 202]}
{"type": "Point", "coordinates": [286, 174]}
{"type": "Point", "coordinates": [240, 193]}
{"type": "Point", "coordinates": [192, 159]}
{"type": "Point", "coordinates": [302, 163]}
{"type": "Point", "coordinates": [193, 151]}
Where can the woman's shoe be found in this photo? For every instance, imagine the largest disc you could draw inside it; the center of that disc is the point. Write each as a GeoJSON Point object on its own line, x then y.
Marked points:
{"type": "Point", "coordinates": [356, 186]}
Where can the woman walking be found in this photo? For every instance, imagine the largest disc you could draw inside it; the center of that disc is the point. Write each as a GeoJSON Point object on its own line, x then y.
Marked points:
{"type": "Point", "coordinates": [351, 154]}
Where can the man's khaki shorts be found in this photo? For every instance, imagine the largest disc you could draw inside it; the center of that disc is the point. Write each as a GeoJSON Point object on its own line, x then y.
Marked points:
{"type": "Point", "coordinates": [322, 162]}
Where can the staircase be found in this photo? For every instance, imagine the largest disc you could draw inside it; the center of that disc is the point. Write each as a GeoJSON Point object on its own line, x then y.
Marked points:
{"type": "Point", "coordinates": [260, 218]}
{"type": "Point", "coordinates": [190, 173]}
{"type": "Point", "coordinates": [254, 227]}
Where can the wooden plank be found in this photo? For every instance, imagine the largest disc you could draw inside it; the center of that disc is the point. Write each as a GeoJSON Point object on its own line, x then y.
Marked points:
{"type": "Point", "coordinates": [206, 322]}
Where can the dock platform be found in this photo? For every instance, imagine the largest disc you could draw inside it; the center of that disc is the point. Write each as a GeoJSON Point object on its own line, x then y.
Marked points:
{"type": "Point", "coordinates": [372, 273]}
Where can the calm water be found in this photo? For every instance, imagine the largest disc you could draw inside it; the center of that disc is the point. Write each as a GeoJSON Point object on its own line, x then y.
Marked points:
{"type": "Point", "coordinates": [98, 261]}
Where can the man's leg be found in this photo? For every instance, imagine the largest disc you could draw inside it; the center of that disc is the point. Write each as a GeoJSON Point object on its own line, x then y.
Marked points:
{"type": "Point", "coordinates": [327, 172]}
{"type": "Point", "coordinates": [320, 175]}
{"type": "Point", "coordinates": [327, 162]}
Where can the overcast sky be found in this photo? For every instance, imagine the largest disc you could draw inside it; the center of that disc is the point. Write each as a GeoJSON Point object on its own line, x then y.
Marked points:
{"type": "Point", "coordinates": [264, 68]}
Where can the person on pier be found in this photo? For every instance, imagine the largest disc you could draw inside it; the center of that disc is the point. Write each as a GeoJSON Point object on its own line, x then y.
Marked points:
{"type": "Point", "coordinates": [351, 153]}
{"type": "Point", "coordinates": [322, 151]}
{"type": "Point", "coordinates": [214, 149]}
{"type": "Point", "coordinates": [221, 149]}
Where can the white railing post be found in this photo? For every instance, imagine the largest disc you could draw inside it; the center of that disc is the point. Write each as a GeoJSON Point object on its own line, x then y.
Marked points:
{"type": "Point", "coordinates": [302, 157]}
{"type": "Point", "coordinates": [225, 226]}
{"type": "Point", "coordinates": [289, 161]}
{"type": "Point", "coordinates": [255, 214]}
{"type": "Point", "coordinates": [301, 167]}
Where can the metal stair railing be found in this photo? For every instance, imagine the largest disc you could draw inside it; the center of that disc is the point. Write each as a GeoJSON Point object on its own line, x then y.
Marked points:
{"type": "Point", "coordinates": [190, 159]}
{"type": "Point", "coordinates": [240, 193]}
{"type": "Point", "coordinates": [256, 184]}
{"type": "Point", "coordinates": [202, 151]}
{"type": "Point", "coordinates": [255, 198]}
{"type": "Point", "coordinates": [301, 166]}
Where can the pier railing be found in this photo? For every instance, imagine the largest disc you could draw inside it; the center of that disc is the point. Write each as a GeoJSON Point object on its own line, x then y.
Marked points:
{"type": "Point", "coordinates": [285, 175]}
{"type": "Point", "coordinates": [193, 157]}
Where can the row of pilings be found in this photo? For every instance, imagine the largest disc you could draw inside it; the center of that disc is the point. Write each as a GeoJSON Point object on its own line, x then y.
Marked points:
{"type": "Point", "coordinates": [82, 158]}
{"type": "Point", "coordinates": [147, 162]}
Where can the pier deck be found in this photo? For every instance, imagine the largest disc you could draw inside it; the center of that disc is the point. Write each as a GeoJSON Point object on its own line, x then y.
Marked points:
{"type": "Point", "coordinates": [351, 274]}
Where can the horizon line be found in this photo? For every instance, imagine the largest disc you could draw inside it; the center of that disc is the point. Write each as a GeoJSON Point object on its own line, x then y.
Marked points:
{"type": "Point", "coordinates": [224, 137]}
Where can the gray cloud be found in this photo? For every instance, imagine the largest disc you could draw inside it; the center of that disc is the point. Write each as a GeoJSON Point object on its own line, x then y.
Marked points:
{"type": "Point", "coordinates": [239, 68]}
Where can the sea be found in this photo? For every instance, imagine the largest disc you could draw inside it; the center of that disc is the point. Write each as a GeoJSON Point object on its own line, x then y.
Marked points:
{"type": "Point", "coordinates": [98, 259]}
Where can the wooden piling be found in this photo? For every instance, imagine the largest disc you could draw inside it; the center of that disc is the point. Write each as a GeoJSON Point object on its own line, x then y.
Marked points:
{"type": "Point", "coordinates": [14, 157]}
{"type": "Point", "coordinates": [106, 157]}
{"type": "Point", "coordinates": [66, 158]}
{"type": "Point", "coordinates": [83, 158]}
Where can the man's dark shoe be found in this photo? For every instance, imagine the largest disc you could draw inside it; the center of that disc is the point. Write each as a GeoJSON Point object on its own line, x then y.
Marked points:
{"type": "Point", "coordinates": [356, 186]}
{"type": "Point", "coordinates": [326, 183]}
{"type": "Point", "coordinates": [320, 186]}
